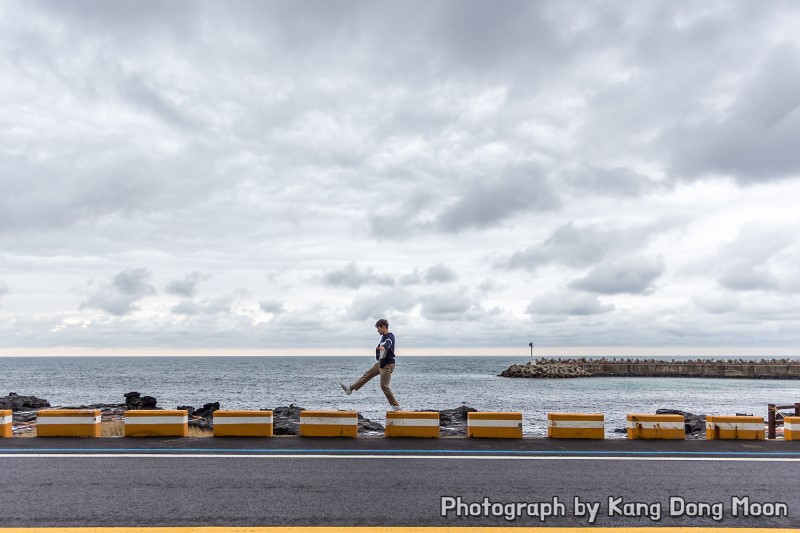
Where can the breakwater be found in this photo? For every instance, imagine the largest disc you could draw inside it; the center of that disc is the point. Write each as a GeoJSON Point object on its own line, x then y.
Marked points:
{"type": "Point", "coordinates": [705, 368]}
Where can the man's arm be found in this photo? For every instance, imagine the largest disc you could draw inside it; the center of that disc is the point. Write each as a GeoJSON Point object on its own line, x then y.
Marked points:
{"type": "Point", "coordinates": [384, 346]}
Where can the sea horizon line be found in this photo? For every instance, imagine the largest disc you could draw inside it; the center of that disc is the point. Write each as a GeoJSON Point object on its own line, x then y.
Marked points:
{"type": "Point", "coordinates": [522, 352]}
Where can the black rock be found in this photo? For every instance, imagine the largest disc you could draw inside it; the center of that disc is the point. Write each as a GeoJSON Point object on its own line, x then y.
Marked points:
{"type": "Point", "coordinates": [694, 424]}
{"type": "Point", "coordinates": [202, 418]}
{"type": "Point", "coordinates": [201, 423]}
{"type": "Point", "coordinates": [148, 402]}
{"type": "Point", "coordinates": [134, 400]}
{"type": "Point", "coordinates": [365, 425]}
{"type": "Point", "coordinates": [207, 411]}
{"type": "Point", "coordinates": [15, 402]}
{"type": "Point", "coordinates": [453, 421]}
{"type": "Point", "coordinates": [286, 420]}
{"type": "Point", "coordinates": [188, 408]}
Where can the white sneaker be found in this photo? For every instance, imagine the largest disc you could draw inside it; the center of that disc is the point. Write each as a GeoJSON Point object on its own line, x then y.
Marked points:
{"type": "Point", "coordinates": [346, 388]}
{"type": "Point", "coordinates": [396, 408]}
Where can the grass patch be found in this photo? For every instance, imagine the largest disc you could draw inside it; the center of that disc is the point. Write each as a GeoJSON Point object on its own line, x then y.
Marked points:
{"type": "Point", "coordinates": [115, 428]}
{"type": "Point", "coordinates": [200, 433]}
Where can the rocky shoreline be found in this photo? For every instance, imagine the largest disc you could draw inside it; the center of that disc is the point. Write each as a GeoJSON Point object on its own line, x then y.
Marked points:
{"type": "Point", "coordinates": [286, 419]}
{"type": "Point", "coordinates": [545, 369]}
{"type": "Point", "coordinates": [709, 368]}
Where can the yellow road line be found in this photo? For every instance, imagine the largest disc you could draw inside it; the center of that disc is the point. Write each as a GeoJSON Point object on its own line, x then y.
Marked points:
{"type": "Point", "coordinates": [386, 529]}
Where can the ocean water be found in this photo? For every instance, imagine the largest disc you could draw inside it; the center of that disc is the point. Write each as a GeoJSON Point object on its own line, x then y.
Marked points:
{"type": "Point", "coordinates": [418, 382]}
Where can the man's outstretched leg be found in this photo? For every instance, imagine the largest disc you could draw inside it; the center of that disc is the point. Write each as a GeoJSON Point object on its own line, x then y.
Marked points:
{"type": "Point", "coordinates": [373, 371]}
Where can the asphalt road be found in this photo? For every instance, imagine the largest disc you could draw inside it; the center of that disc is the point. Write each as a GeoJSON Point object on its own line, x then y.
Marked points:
{"type": "Point", "coordinates": [395, 482]}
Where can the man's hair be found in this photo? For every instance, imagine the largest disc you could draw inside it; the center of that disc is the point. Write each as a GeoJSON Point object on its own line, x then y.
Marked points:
{"type": "Point", "coordinates": [382, 322]}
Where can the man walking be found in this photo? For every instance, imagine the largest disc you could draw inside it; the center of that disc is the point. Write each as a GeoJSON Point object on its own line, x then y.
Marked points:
{"type": "Point", "coordinates": [384, 353]}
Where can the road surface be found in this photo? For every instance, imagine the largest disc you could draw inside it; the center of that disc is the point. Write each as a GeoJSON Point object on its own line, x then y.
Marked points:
{"type": "Point", "coordinates": [459, 482]}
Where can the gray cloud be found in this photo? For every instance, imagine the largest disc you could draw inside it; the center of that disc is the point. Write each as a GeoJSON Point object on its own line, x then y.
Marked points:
{"type": "Point", "coordinates": [568, 303]}
{"type": "Point", "coordinates": [392, 226]}
{"type": "Point", "coordinates": [580, 246]}
{"type": "Point", "coordinates": [718, 303]}
{"type": "Point", "coordinates": [140, 94]}
{"type": "Point", "coordinates": [272, 306]}
{"type": "Point", "coordinates": [440, 274]}
{"type": "Point", "coordinates": [352, 277]}
{"type": "Point", "coordinates": [3, 289]}
{"type": "Point", "coordinates": [432, 275]}
{"type": "Point", "coordinates": [756, 140]}
{"type": "Point", "coordinates": [485, 203]}
{"type": "Point", "coordinates": [211, 306]}
{"type": "Point", "coordinates": [522, 32]}
{"type": "Point", "coordinates": [186, 307]}
{"type": "Point", "coordinates": [449, 305]}
{"type": "Point", "coordinates": [634, 275]}
{"type": "Point", "coordinates": [187, 286]}
{"type": "Point", "coordinates": [382, 304]}
{"type": "Point", "coordinates": [412, 278]}
{"type": "Point", "coordinates": [293, 137]}
{"type": "Point", "coordinates": [477, 203]}
{"type": "Point", "coordinates": [745, 263]}
{"type": "Point", "coordinates": [119, 295]}
{"type": "Point", "coordinates": [458, 306]}
{"type": "Point", "coordinates": [615, 181]}
{"type": "Point", "coordinates": [743, 275]}
{"type": "Point", "coordinates": [567, 244]}
{"type": "Point", "coordinates": [488, 286]}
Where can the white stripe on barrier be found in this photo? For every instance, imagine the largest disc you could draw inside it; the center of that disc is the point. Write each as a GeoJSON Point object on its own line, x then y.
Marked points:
{"type": "Point", "coordinates": [5, 420]}
{"type": "Point", "coordinates": [225, 420]}
{"type": "Point", "coordinates": [655, 425]}
{"type": "Point", "coordinates": [789, 426]}
{"type": "Point", "coordinates": [48, 420]}
{"type": "Point", "coordinates": [136, 420]}
{"type": "Point", "coordinates": [736, 425]}
{"type": "Point", "coordinates": [333, 421]}
{"type": "Point", "coordinates": [576, 424]}
{"type": "Point", "coordinates": [411, 422]}
{"type": "Point", "coordinates": [486, 423]}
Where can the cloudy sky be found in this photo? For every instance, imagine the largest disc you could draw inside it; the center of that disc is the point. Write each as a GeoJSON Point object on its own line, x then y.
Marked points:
{"type": "Point", "coordinates": [268, 177]}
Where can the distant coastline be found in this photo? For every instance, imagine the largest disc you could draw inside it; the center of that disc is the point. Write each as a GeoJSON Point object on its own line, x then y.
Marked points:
{"type": "Point", "coordinates": [705, 368]}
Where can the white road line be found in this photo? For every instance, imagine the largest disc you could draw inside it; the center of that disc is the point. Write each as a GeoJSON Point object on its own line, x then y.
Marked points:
{"type": "Point", "coordinates": [383, 457]}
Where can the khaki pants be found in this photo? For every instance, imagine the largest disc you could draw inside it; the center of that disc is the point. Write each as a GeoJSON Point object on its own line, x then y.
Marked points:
{"type": "Point", "coordinates": [386, 377]}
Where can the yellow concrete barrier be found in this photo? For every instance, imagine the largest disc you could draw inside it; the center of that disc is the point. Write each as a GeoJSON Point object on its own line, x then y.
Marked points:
{"type": "Point", "coordinates": [791, 428]}
{"type": "Point", "coordinates": [412, 424]}
{"type": "Point", "coordinates": [5, 424]}
{"type": "Point", "coordinates": [242, 423]}
{"type": "Point", "coordinates": [329, 424]}
{"type": "Point", "coordinates": [575, 426]}
{"type": "Point", "coordinates": [643, 426]}
{"type": "Point", "coordinates": [495, 425]}
{"type": "Point", "coordinates": [68, 423]}
{"type": "Point", "coordinates": [157, 423]}
{"type": "Point", "coordinates": [734, 427]}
